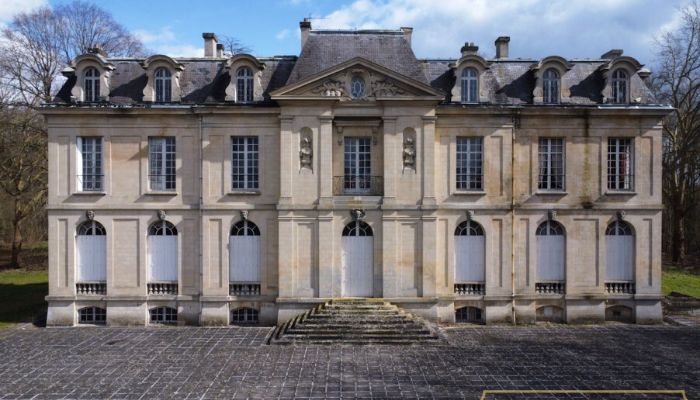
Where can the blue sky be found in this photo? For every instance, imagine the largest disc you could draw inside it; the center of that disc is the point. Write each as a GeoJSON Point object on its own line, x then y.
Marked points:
{"type": "Point", "coordinates": [538, 28]}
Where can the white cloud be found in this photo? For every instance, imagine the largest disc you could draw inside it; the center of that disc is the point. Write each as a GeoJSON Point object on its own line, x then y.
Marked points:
{"type": "Point", "coordinates": [538, 28]}
{"type": "Point", "coordinates": [165, 34]}
{"type": "Point", "coordinates": [8, 8]}
{"type": "Point", "coordinates": [180, 50]}
{"type": "Point", "coordinates": [283, 34]}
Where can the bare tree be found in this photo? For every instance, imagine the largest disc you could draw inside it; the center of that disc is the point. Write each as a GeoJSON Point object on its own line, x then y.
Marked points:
{"type": "Point", "coordinates": [233, 46]}
{"type": "Point", "coordinates": [23, 168]}
{"type": "Point", "coordinates": [678, 83]}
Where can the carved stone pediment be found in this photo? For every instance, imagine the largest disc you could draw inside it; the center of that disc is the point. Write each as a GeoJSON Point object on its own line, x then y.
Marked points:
{"type": "Point", "coordinates": [358, 80]}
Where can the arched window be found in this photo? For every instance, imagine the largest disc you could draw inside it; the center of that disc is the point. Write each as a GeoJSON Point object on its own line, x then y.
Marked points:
{"type": "Point", "coordinates": [357, 87]}
{"type": "Point", "coordinates": [244, 253]}
{"type": "Point", "coordinates": [91, 85]}
{"type": "Point", "coordinates": [92, 315]}
{"type": "Point", "coordinates": [357, 260]}
{"type": "Point", "coordinates": [244, 85]}
{"type": "Point", "coordinates": [357, 228]}
{"type": "Point", "coordinates": [550, 87]}
{"type": "Point", "coordinates": [620, 257]}
{"type": "Point", "coordinates": [551, 244]}
{"type": "Point", "coordinates": [91, 257]}
{"type": "Point", "coordinates": [619, 86]}
{"type": "Point", "coordinates": [469, 315]}
{"type": "Point", "coordinates": [163, 85]}
{"type": "Point", "coordinates": [469, 253]}
{"type": "Point", "coordinates": [162, 252]}
{"type": "Point", "coordinates": [470, 85]}
{"type": "Point", "coordinates": [244, 316]}
{"type": "Point", "coordinates": [163, 315]}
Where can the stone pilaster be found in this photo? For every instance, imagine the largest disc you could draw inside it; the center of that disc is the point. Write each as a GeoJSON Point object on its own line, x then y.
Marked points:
{"type": "Point", "coordinates": [286, 160]}
{"type": "Point", "coordinates": [392, 151]}
{"type": "Point", "coordinates": [428, 164]}
{"type": "Point", "coordinates": [325, 168]}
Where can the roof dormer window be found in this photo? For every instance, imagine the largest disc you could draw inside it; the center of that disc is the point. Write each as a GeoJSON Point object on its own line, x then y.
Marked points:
{"type": "Point", "coordinates": [163, 85]}
{"type": "Point", "coordinates": [550, 87]}
{"type": "Point", "coordinates": [619, 86]}
{"type": "Point", "coordinates": [92, 85]}
{"type": "Point", "coordinates": [244, 85]}
{"type": "Point", "coordinates": [470, 85]}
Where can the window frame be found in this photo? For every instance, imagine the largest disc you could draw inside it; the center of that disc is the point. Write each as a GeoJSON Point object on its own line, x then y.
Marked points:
{"type": "Point", "coordinates": [91, 85]}
{"type": "Point", "coordinates": [616, 182]}
{"type": "Point", "coordinates": [548, 184]}
{"type": "Point", "coordinates": [468, 181]}
{"type": "Point", "coordinates": [250, 164]}
{"type": "Point", "coordinates": [92, 146]}
{"type": "Point", "coordinates": [163, 160]}
{"type": "Point", "coordinates": [551, 86]}
{"type": "Point", "coordinates": [619, 86]}
{"type": "Point", "coordinates": [97, 316]}
{"type": "Point", "coordinates": [358, 87]}
{"type": "Point", "coordinates": [163, 85]}
{"type": "Point", "coordinates": [244, 85]}
{"type": "Point", "coordinates": [468, 82]}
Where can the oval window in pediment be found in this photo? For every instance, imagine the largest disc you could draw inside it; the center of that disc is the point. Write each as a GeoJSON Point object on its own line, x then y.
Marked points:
{"type": "Point", "coordinates": [357, 87]}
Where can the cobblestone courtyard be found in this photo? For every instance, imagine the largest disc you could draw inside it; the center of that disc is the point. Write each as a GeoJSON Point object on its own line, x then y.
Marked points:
{"type": "Point", "coordinates": [225, 363]}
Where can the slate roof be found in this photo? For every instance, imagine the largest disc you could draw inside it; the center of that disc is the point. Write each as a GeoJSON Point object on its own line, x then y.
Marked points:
{"type": "Point", "coordinates": [508, 81]}
{"type": "Point", "coordinates": [326, 49]}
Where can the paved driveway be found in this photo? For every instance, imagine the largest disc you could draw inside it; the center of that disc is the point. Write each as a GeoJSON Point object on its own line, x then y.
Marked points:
{"type": "Point", "coordinates": [194, 363]}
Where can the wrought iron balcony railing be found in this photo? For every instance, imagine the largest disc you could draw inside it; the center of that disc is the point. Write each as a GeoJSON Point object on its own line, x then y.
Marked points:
{"type": "Point", "coordinates": [358, 185]}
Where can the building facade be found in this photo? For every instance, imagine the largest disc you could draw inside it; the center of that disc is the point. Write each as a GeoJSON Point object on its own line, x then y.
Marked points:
{"type": "Point", "coordinates": [238, 189]}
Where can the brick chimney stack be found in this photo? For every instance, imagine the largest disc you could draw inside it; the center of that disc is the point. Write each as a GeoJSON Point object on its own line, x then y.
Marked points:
{"type": "Point", "coordinates": [305, 27]}
{"type": "Point", "coordinates": [502, 46]}
{"type": "Point", "coordinates": [210, 42]}
{"type": "Point", "coordinates": [407, 33]}
{"type": "Point", "coordinates": [469, 48]}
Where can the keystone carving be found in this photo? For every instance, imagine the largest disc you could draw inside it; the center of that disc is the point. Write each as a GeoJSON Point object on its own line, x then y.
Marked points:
{"type": "Point", "coordinates": [357, 215]}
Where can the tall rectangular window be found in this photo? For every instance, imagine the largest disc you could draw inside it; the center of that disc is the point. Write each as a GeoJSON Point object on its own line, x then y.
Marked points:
{"type": "Point", "coordinates": [620, 164]}
{"type": "Point", "coordinates": [161, 163]}
{"type": "Point", "coordinates": [89, 164]}
{"type": "Point", "coordinates": [244, 163]}
{"type": "Point", "coordinates": [551, 167]}
{"type": "Point", "coordinates": [470, 155]}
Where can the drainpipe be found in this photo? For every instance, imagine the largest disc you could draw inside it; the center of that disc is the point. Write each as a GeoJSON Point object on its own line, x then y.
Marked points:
{"type": "Point", "coordinates": [512, 214]}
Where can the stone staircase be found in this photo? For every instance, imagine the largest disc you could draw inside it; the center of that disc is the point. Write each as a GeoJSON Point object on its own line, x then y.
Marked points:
{"type": "Point", "coordinates": [355, 321]}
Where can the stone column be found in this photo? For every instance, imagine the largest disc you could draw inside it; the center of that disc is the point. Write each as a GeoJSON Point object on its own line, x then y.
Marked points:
{"type": "Point", "coordinates": [428, 161]}
{"type": "Point", "coordinates": [286, 160]}
{"type": "Point", "coordinates": [325, 166]}
{"type": "Point", "coordinates": [391, 155]}
{"type": "Point", "coordinates": [429, 254]}
{"type": "Point", "coordinates": [326, 240]}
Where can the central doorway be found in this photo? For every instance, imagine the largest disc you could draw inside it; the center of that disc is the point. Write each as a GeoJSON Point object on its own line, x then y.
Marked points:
{"type": "Point", "coordinates": [358, 260]}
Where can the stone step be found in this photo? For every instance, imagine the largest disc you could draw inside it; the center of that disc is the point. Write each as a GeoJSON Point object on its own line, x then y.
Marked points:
{"type": "Point", "coordinates": [417, 330]}
{"type": "Point", "coordinates": [361, 307]}
{"type": "Point", "coordinates": [355, 342]}
{"type": "Point", "coordinates": [354, 323]}
{"type": "Point", "coordinates": [337, 336]}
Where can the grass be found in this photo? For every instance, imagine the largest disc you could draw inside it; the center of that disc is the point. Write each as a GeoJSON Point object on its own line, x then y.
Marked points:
{"type": "Point", "coordinates": [22, 296]}
{"type": "Point", "coordinates": [681, 281]}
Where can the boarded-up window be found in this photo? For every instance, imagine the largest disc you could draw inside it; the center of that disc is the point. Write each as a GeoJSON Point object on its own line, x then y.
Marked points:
{"type": "Point", "coordinates": [551, 243]}
{"type": "Point", "coordinates": [91, 257]}
{"type": "Point", "coordinates": [162, 252]}
{"type": "Point", "coordinates": [244, 252]}
{"type": "Point", "coordinates": [469, 252]}
{"type": "Point", "coordinates": [619, 241]}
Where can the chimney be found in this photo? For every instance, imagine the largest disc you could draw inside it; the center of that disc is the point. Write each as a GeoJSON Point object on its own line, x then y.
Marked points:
{"type": "Point", "coordinates": [502, 46]}
{"type": "Point", "coordinates": [219, 50]}
{"type": "Point", "coordinates": [612, 54]}
{"type": "Point", "coordinates": [469, 48]}
{"type": "Point", "coordinates": [407, 32]}
{"type": "Point", "coordinates": [305, 28]}
{"type": "Point", "coordinates": [209, 44]}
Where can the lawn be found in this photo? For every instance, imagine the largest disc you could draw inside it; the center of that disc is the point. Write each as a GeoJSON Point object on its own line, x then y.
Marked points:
{"type": "Point", "coordinates": [22, 290]}
{"type": "Point", "coordinates": [681, 281]}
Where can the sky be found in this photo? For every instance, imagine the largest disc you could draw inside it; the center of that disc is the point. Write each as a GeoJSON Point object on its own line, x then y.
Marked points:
{"type": "Point", "coordinates": [538, 28]}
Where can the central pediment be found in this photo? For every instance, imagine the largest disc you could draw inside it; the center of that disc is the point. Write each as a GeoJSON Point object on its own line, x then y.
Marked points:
{"type": "Point", "coordinates": [358, 80]}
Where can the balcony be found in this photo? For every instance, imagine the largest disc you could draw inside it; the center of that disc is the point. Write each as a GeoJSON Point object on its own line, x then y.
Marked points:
{"type": "Point", "coordinates": [162, 288]}
{"type": "Point", "coordinates": [619, 287]}
{"type": "Point", "coordinates": [91, 288]}
{"type": "Point", "coordinates": [470, 289]}
{"type": "Point", "coordinates": [550, 287]}
{"type": "Point", "coordinates": [244, 289]}
{"type": "Point", "coordinates": [358, 185]}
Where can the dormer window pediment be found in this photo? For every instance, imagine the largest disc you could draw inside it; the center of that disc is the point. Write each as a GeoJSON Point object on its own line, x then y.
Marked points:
{"type": "Point", "coordinates": [469, 79]}
{"type": "Point", "coordinates": [163, 79]}
{"type": "Point", "coordinates": [246, 73]}
{"type": "Point", "coordinates": [92, 72]}
{"type": "Point", "coordinates": [549, 82]}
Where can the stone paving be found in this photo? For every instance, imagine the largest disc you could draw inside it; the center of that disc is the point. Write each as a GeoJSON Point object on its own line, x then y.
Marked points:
{"type": "Point", "coordinates": [233, 363]}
